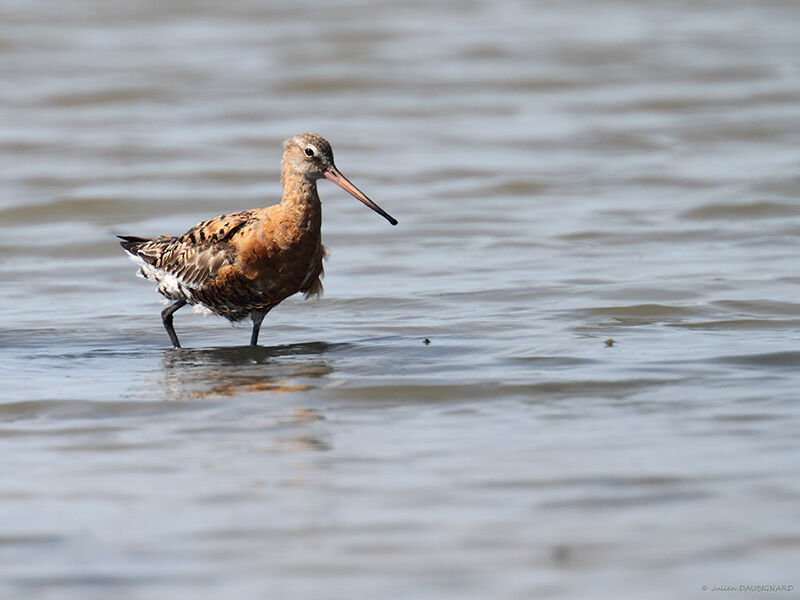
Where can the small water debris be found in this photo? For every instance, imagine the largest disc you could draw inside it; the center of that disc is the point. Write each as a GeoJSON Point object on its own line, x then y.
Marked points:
{"type": "Point", "coordinates": [561, 554]}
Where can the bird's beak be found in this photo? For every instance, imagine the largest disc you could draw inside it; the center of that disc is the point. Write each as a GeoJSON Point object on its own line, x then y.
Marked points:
{"type": "Point", "coordinates": [333, 174]}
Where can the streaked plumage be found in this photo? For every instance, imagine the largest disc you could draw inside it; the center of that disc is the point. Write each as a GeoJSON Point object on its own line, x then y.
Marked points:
{"type": "Point", "coordinates": [244, 264]}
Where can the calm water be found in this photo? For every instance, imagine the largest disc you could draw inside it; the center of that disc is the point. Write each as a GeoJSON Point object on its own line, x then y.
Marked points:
{"type": "Point", "coordinates": [564, 173]}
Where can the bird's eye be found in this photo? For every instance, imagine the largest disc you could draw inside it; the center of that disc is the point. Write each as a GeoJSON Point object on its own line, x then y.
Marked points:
{"type": "Point", "coordinates": [309, 152]}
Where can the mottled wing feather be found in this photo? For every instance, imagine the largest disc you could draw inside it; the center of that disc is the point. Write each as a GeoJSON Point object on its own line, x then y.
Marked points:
{"type": "Point", "coordinates": [192, 259]}
{"type": "Point", "coordinates": [194, 265]}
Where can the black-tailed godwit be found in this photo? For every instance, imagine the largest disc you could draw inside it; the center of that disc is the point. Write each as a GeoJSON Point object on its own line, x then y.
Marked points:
{"type": "Point", "coordinates": [245, 263]}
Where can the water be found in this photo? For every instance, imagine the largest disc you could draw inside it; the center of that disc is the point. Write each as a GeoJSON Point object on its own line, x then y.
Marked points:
{"type": "Point", "coordinates": [564, 173]}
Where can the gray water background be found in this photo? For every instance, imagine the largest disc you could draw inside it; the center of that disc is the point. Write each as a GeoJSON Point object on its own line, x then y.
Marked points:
{"type": "Point", "coordinates": [564, 173]}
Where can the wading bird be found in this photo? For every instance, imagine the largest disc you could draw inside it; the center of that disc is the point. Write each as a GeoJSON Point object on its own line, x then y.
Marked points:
{"type": "Point", "coordinates": [245, 263]}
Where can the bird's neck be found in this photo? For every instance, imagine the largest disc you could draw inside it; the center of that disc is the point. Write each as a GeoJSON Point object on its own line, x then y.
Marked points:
{"type": "Point", "coordinates": [300, 197]}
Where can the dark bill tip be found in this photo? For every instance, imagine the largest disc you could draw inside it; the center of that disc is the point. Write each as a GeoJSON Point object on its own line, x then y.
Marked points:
{"type": "Point", "coordinates": [336, 177]}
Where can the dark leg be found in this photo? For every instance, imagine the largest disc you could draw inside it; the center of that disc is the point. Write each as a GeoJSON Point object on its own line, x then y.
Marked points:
{"type": "Point", "coordinates": [166, 316]}
{"type": "Point", "coordinates": [257, 316]}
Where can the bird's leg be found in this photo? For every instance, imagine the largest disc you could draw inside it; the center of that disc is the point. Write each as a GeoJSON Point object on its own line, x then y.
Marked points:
{"type": "Point", "coordinates": [166, 316]}
{"type": "Point", "coordinates": [257, 316]}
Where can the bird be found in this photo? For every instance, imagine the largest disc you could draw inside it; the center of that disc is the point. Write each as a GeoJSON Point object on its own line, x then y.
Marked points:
{"type": "Point", "coordinates": [245, 263]}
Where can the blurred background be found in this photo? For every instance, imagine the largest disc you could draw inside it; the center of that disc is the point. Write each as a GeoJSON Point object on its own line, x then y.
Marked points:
{"type": "Point", "coordinates": [598, 236]}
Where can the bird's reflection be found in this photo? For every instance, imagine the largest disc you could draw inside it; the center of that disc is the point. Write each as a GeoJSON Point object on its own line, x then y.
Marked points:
{"type": "Point", "coordinates": [306, 443]}
{"type": "Point", "coordinates": [230, 371]}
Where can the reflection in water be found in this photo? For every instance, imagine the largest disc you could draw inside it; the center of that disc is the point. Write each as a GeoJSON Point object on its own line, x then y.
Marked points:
{"type": "Point", "coordinates": [230, 371]}
{"type": "Point", "coordinates": [305, 443]}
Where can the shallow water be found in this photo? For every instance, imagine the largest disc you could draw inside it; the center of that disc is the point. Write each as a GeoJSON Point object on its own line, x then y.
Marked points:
{"type": "Point", "coordinates": [564, 173]}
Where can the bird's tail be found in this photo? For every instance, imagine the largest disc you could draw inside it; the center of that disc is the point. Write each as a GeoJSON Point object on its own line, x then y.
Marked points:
{"type": "Point", "coordinates": [131, 243]}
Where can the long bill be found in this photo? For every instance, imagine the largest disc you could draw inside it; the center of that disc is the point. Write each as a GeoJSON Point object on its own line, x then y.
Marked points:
{"type": "Point", "coordinates": [333, 174]}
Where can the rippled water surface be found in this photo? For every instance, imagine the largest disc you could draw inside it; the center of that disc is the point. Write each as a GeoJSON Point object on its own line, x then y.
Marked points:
{"type": "Point", "coordinates": [599, 221]}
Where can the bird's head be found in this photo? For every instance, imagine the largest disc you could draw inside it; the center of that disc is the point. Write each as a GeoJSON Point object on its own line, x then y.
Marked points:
{"type": "Point", "coordinates": [310, 156]}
